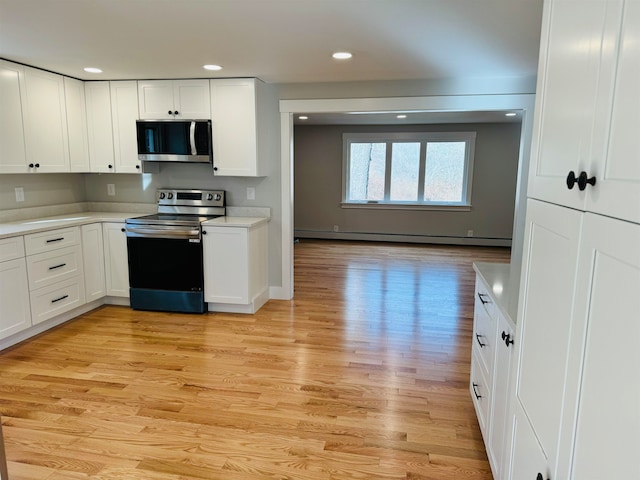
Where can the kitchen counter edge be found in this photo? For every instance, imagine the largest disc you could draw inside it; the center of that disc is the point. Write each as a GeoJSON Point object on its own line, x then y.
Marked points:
{"type": "Point", "coordinates": [36, 225]}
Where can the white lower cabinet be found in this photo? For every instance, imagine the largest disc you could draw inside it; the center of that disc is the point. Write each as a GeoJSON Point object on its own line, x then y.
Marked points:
{"type": "Point", "coordinates": [577, 352]}
{"type": "Point", "coordinates": [56, 277]}
{"type": "Point", "coordinates": [235, 264]}
{"type": "Point", "coordinates": [93, 261]}
{"type": "Point", "coordinates": [491, 358]}
{"type": "Point", "coordinates": [15, 311]}
{"type": "Point", "coordinates": [116, 261]}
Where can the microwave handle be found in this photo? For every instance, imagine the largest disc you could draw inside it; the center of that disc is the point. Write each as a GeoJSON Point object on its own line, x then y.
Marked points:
{"type": "Point", "coordinates": [192, 137]}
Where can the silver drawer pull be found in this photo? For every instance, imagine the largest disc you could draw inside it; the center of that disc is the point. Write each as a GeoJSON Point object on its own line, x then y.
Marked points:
{"type": "Point", "coordinates": [61, 298]}
{"type": "Point", "coordinates": [58, 266]}
{"type": "Point", "coordinates": [55, 240]}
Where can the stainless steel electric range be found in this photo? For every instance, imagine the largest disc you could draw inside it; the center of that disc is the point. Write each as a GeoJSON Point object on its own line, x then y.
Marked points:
{"type": "Point", "coordinates": [165, 251]}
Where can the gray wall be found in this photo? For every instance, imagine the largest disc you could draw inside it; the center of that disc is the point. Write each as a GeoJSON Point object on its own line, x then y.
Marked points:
{"type": "Point", "coordinates": [318, 186]}
{"type": "Point", "coordinates": [41, 189]}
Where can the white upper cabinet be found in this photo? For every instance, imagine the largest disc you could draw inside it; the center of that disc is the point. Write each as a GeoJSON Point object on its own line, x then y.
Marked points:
{"type": "Point", "coordinates": [76, 125]}
{"type": "Point", "coordinates": [100, 128]}
{"type": "Point", "coordinates": [235, 112]}
{"type": "Point", "coordinates": [124, 113]}
{"type": "Point", "coordinates": [616, 155]}
{"type": "Point", "coordinates": [173, 99]}
{"type": "Point", "coordinates": [587, 108]}
{"type": "Point", "coordinates": [45, 117]}
{"type": "Point", "coordinates": [12, 96]}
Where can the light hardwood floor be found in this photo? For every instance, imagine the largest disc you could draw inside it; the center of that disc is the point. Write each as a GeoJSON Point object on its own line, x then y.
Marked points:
{"type": "Point", "coordinates": [364, 375]}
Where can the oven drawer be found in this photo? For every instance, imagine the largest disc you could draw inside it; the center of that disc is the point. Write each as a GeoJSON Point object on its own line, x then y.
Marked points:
{"type": "Point", "coordinates": [55, 266]}
{"type": "Point", "coordinates": [51, 240]}
{"type": "Point", "coordinates": [47, 302]}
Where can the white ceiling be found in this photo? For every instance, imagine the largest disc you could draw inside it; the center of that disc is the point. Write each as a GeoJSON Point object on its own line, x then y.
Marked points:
{"type": "Point", "coordinates": [279, 41]}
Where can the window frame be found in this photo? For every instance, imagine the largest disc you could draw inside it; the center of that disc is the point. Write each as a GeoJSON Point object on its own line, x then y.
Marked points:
{"type": "Point", "coordinates": [423, 138]}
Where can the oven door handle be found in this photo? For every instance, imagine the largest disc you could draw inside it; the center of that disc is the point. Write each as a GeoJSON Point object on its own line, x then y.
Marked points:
{"type": "Point", "coordinates": [159, 231]}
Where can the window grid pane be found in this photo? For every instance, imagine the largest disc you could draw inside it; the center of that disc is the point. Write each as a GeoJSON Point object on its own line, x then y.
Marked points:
{"type": "Point", "coordinates": [367, 171]}
{"type": "Point", "coordinates": [444, 175]}
{"type": "Point", "coordinates": [405, 168]}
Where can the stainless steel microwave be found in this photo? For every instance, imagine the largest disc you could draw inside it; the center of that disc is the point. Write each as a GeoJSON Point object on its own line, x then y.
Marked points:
{"type": "Point", "coordinates": [174, 141]}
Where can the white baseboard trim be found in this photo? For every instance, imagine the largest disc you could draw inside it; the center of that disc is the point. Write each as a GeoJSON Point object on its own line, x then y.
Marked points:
{"type": "Point", "coordinates": [427, 239]}
{"type": "Point", "coordinates": [278, 293]}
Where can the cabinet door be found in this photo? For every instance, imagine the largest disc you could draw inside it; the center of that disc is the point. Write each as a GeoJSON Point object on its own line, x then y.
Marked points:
{"type": "Point", "coordinates": [47, 143]}
{"type": "Point", "coordinates": [226, 277]}
{"type": "Point", "coordinates": [124, 113]}
{"type": "Point", "coordinates": [607, 439]}
{"type": "Point", "coordinates": [233, 115]}
{"type": "Point", "coordinates": [12, 97]}
{"type": "Point", "coordinates": [100, 128]}
{"type": "Point", "coordinates": [15, 312]}
{"type": "Point", "coordinates": [76, 125]}
{"type": "Point", "coordinates": [616, 163]}
{"type": "Point", "coordinates": [116, 262]}
{"type": "Point", "coordinates": [569, 66]}
{"type": "Point", "coordinates": [544, 319]}
{"type": "Point", "coordinates": [93, 261]}
{"type": "Point", "coordinates": [527, 459]}
{"type": "Point", "coordinates": [500, 398]}
{"type": "Point", "coordinates": [155, 99]}
{"type": "Point", "coordinates": [192, 99]}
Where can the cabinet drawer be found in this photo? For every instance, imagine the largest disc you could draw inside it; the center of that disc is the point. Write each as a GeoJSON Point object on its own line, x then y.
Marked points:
{"type": "Point", "coordinates": [11, 248]}
{"type": "Point", "coordinates": [51, 267]}
{"type": "Point", "coordinates": [51, 240]}
{"type": "Point", "coordinates": [47, 302]}
{"type": "Point", "coordinates": [484, 337]}
{"type": "Point", "coordinates": [480, 390]}
{"type": "Point", "coordinates": [483, 297]}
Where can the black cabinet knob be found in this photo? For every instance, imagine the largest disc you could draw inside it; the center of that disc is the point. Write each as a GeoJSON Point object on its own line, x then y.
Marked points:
{"type": "Point", "coordinates": [176, 112]}
{"type": "Point", "coordinates": [571, 179]}
{"type": "Point", "coordinates": [170, 112]}
{"type": "Point", "coordinates": [204, 232]}
{"type": "Point", "coordinates": [110, 166]}
{"type": "Point", "coordinates": [583, 181]}
{"type": "Point", "coordinates": [123, 230]}
{"type": "Point", "coordinates": [31, 165]}
{"type": "Point", "coordinates": [507, 338]}
{"type": "Point", "coordinates": [37, 165]}
{"type": "Point", "coordinates": [215, 169]}
{"type": "Point", "coordinates": [138, 167]}
{"type": "Point", "coordinates": [540, 477]}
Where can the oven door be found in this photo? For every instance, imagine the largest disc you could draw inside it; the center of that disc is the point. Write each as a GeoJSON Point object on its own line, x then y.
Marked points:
{"type": "Point", "coordinates": [166, 274]}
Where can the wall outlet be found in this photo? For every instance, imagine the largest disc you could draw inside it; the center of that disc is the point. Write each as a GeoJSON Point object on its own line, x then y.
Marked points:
{"type": "Point", "coordinates": [19, 194]}
{"type": "Point", "coordinates": [251, 193]}
{"type": "Point", "coordinates": [469, 233]}
{"type": "Point", "coordinates": [336, 228]}
{"type": "Point", "coordinates": [111, 189]}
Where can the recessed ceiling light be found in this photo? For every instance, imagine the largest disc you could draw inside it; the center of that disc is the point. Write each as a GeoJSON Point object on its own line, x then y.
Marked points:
{"type": "Point", "coordinates": [342, 55]}
{"type": "Point", "coordinates": [92, 70]}
{"type": "Point", "coordinates": [401, 116]}
{"type": "Point", "coordinates": [303, 117]}
{"type": "Point", "coordinates": [510, 114]}
{"type": "Point", "coordinates": [212, 67]}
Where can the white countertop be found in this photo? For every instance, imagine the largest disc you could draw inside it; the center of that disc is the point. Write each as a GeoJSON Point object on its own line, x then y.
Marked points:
{"type": "Point", "coordinates": [497, 276]}
{"type": "Point", "coordinates": [246, 222]}
{"type": "Point", "coordinates": [35, 225]}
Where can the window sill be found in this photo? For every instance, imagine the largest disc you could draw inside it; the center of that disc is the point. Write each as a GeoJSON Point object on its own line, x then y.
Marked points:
{"type": "Point", "coordinates": [404, 206]}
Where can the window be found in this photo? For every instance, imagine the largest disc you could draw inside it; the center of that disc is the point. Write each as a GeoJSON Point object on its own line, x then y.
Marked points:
{"type": "Point", "coordinates": [397, 170]}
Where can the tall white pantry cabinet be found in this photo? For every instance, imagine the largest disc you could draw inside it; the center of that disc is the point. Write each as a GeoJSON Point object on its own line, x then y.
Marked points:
{"type": "Point", "coordinates": [575, 407]}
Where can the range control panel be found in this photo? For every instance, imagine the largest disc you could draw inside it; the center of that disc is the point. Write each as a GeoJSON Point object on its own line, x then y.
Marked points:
{"type": "Point", "coordinates": [193, 198]}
